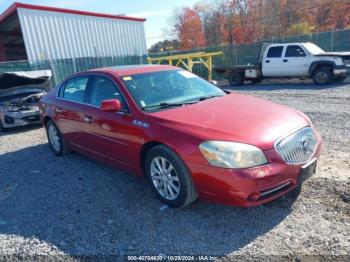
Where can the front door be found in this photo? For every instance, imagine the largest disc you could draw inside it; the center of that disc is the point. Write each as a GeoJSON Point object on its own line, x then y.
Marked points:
{"type": "Point", "coordinates": [295, 61]}
{"type": "Point", "coordinates": [109, 132]}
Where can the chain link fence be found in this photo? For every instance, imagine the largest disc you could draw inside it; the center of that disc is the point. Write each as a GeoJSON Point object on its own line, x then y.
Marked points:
{"type": "Point", "coordinates": [233, 55]}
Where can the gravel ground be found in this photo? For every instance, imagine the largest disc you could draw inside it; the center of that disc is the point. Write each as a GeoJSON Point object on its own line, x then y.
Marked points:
{"type": "Point", "coordinates": [73, 206]}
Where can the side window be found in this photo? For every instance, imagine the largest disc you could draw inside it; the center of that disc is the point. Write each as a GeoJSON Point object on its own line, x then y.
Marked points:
{"type": "Point", "coordinates": [275, 52]}
{"type": "Point", "coordinates": [104, 88]}
{"type": "Point", "coordinates": [295, 51]}
{"type": "Point", "coordinates": [75, 89]}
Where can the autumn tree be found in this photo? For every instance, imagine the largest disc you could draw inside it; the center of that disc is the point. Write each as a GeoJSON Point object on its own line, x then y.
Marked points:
{"type": "Point", "coordinates": [340, 16]}
{"type": "Point", "coordinates": [164, 46]}
{"type": "Point", "coordinates": [189, 28]}
{"type": "Point", "coordinates": [217, 22]}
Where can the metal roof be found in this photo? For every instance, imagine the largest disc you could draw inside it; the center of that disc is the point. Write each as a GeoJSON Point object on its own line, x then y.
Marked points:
{"type": "Point", "coordinates": [13, 9]}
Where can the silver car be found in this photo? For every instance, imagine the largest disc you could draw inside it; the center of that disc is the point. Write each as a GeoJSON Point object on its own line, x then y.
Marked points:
{"type": "Point", "coordinates": [20, 93]}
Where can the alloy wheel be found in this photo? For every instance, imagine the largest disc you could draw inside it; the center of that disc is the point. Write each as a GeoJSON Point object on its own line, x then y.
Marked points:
{"type": "Point", "coordinates": [165, 178]}
{"type": "Point", "coordinates": [54, 138]}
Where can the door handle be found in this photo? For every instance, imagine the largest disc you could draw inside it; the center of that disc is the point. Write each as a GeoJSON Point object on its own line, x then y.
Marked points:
{"type": "Point", "coordinates": [267, 61]}
{"type": "Point", "coordinates": [285, 60]}
{"type": "Point", "coordinates": [88, 119]}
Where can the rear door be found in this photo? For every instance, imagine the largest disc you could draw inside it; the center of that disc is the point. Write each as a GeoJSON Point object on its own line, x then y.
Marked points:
{"type": "Point", "coordinates": [70, 108]}
{"type": "Point", "coordinates": [295, 61]}
{"type": "Point", "coordinates": [272, 61]}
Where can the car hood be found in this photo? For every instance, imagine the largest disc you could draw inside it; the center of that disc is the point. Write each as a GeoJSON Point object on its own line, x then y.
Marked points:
{"type": "Point", "coordinates": [234, 117]}
{"type": "Point", "coordinates": [345, 55]}
{"type": "Point", "coordinates": [20, 82]}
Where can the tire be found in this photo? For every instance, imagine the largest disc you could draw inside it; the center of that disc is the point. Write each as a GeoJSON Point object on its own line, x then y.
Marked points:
{"type": "Point", "coordinates": [2, 129]}
{"type": "Point", "coordinates": [257, 80]}
{"type": "Point", "coordinates": [161, 159]}
{"type": "Point", "coordinates": [56, 140]}
{"type": "Point", "coordinates": [322, 76]}
{"type": "Point", "coordinates": [236, 78]}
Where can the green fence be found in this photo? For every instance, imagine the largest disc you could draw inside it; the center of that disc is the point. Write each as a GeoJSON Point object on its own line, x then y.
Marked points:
{"type": "Point", "coordinates": [249, 53]}
{"type": "Point", "coordinates": [64, 67]}
{"type": "Point", "coordinates": [233, 55]}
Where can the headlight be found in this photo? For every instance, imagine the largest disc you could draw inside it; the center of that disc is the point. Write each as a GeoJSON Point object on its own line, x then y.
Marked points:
{"type": "Point", "coordinates": [231, 154]}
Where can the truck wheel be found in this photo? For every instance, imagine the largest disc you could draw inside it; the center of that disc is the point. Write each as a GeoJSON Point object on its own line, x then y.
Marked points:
{"type": "Point", "coordinates": [257, 80]}
{"type": "Point", "coordinates": [2, 129]}
{"type": "Point", "coordinates": [323, 76]}
{"type": "Point", "coordinates": [236, 78]}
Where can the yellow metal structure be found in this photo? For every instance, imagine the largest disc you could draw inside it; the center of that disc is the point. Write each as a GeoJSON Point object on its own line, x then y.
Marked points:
{"type": "Point", "coordinates": [188, 60]}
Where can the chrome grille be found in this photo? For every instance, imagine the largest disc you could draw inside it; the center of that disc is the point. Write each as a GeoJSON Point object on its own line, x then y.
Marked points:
{"type": "Point", "coordinates": [346, 61]}
{"type": "Point", "coordinates": [299, 147]}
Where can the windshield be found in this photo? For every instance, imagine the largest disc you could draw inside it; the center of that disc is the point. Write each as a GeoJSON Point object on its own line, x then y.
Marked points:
{"type": "Point", "coordinates": [313, 49]}
{"type": "Point", "coordinates": [174, 87]}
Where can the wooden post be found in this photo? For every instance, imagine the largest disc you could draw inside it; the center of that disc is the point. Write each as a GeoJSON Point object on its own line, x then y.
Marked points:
{"type": "Point", "coordinates": [210, 68]}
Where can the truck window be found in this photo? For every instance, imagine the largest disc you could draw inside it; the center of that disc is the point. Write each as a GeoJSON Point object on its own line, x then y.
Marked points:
{"type": "Point", "coordinates": [295, 51]}
{"type": "Point", "coordinates": [275, 52]}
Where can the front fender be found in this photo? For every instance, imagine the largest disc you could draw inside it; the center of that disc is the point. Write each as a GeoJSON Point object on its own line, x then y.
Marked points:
{"type": "Point", "coordinates": [316, 64]}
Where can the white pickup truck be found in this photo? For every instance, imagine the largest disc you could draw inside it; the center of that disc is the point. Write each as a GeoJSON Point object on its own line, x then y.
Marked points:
{"type": "Point", "coordinates": [292, 60]}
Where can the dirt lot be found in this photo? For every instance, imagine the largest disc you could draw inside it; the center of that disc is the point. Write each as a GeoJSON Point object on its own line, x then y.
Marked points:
{"type": "Point", "coordinates": [75, 206]}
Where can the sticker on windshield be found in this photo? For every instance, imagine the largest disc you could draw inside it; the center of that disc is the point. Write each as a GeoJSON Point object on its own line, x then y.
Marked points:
{"type": "Point", "coordinates": [127, 78]}
{"type": "Point", "coordinates": [187, 74]}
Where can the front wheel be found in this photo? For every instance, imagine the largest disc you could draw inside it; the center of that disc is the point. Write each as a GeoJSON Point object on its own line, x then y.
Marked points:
{"type": "Point", "coordinates": [323, 76]}
{"type": "Point", "coordinates": [169, 177]}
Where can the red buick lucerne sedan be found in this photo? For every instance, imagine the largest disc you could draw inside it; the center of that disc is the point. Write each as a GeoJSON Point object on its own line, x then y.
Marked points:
{"type": "Point", "coordinates": [189, 138]}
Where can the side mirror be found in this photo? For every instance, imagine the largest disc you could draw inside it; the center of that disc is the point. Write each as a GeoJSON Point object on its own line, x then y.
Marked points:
{"type": "Point", "coordinates": [110, 105]}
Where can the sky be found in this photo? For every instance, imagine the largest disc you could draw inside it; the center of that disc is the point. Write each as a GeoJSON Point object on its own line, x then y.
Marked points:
{"type": "Point", "coordinates": [157, 12]}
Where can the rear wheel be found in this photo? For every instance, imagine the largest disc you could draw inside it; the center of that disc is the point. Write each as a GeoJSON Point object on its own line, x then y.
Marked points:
{"type": "Point", "coordinates": [323, 76]}
{"type": "Point", "coordinates": [257, 80]}
{"type": "Point", "coordinates": [169, 177]}
{"type": "Point", "coordinates": [56, 140]}
{"type": "Point", "coordinates": [236, 78]}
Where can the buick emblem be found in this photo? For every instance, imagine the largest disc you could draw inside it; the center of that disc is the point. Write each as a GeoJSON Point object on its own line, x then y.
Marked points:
{"type": "Point", "coordinates": [305, 144]}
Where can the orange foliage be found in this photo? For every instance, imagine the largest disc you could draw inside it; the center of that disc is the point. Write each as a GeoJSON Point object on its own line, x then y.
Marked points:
{"type": "Point", "coordinates": [191, 34]}
{"type": "Point", "coordinates": [244, 21]}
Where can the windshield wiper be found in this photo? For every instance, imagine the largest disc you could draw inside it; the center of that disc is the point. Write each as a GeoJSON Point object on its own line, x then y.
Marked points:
{"type": "Point", "coordinates": [202, 98]}
{"type": "Point", "coordinates": [165, 105]}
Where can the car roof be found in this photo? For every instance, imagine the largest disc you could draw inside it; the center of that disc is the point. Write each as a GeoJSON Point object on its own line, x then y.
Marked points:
{"type": "Point", "coordinates": [133, 69]}
{"type": "Point", "coordinates": [287, 44]}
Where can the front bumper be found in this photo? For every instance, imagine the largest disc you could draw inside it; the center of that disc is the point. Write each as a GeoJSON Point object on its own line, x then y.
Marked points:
{"type": "Point", "coordinates": [247, 187]}
{"type": "Point", "coordinates": [341, 70]}
{"type": "Point", "coordinates": [17, 119]}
